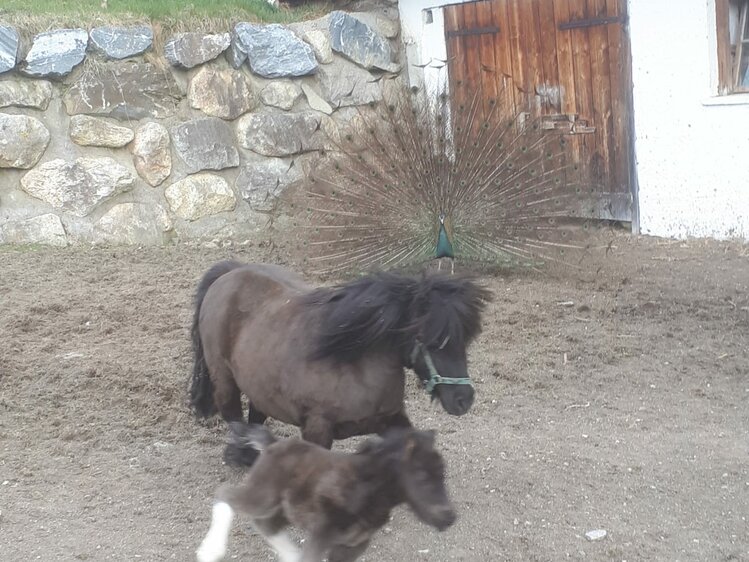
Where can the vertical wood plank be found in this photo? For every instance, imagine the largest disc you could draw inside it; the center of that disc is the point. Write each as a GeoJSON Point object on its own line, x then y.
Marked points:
{"type": "Point", "coordinates": [601, 89]}
{"type": "Point", "coordinates": [565, 64]}
{"type": "Point", "coordinates": [488, 66]}
{"type": "Point", "coordinates": [531, 41]}
{"type": "Point", "coordinates": [725, 74]}
{"type": "Point", "coordinates": [618, 68]}
{"type": "Point", "coordinates": [503, 59]}
{"type": "Point", "coordinates": [583, 83]}
{"type": "Point", "coordinates": [548, 38]}
{"type": "Point", "coordinates": [517, 55]}
{"type": "Point", "coordinates": [455, 53]}
{"type": "Point", "coordinates": [472, 52]}
{"type": "Point", "coordinates": [566, 68]}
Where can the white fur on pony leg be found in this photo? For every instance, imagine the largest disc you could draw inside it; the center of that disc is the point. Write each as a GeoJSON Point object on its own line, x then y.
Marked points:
{"type": "Point", "coordinates": [213, 547]}
{"type": "Point", "coordinates": [285, 547]}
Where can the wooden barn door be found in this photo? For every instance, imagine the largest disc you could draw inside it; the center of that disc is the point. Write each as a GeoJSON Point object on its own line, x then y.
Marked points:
{"type": "Point", "coordinates": [566, 60]}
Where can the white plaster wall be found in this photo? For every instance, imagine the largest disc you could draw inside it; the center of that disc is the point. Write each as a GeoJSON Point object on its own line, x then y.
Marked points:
{"type": "Point", "coordinates": [425, 42]}
{"type": "Point", "coordinates": [692, 149]}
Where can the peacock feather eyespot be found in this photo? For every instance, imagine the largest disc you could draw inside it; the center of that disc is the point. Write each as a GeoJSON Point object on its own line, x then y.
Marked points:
{"type": "Point", "coordinates": [518, 204]}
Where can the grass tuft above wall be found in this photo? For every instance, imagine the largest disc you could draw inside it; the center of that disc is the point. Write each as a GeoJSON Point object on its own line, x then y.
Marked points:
{"type": "Point", "coordinates": [33, 16]}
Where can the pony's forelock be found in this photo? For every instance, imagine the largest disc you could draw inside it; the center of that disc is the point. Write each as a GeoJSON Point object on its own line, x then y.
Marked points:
{"type": "Point", "coordinates": [449, 310]}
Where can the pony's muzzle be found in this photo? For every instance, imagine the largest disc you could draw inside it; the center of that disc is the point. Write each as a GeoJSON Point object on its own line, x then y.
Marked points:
{"type": "Point", "coordinates": [443, 516]}
{"type": "Point", "coordinates": [456, 400]}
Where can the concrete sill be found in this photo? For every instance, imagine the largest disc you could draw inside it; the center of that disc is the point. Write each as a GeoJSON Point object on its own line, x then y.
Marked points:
{"type": "Point", "coordinates": [734, 99]}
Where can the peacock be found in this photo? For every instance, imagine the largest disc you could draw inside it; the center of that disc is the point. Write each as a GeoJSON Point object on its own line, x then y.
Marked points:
{"type": "Point", "coordinates": [418, 178]}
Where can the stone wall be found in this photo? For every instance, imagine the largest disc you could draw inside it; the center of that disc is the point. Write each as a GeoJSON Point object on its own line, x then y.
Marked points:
{"type": "Point", "coordinates": [104, 139]}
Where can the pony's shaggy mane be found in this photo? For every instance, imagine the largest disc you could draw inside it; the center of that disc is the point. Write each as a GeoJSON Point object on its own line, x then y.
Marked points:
{"type": "Point", "coordinates": [386, 308]}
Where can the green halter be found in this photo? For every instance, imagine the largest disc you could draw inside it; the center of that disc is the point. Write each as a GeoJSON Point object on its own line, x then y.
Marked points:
{"type": "Point", "coordinates": [434, 377]}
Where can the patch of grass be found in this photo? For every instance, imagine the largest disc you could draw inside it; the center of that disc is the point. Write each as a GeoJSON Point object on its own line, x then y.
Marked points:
{"type": "Point", "coordinates": [33, 16]}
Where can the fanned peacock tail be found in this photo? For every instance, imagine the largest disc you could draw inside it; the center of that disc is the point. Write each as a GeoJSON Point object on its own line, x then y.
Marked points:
{"type": "Point", "coordinates": [412, 179]}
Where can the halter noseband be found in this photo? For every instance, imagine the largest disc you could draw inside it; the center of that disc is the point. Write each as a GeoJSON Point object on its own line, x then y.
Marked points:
{"type": "Point", "coordinates": [434, 377]}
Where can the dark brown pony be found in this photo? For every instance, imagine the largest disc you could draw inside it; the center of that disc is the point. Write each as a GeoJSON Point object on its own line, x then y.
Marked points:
{"type": "Point", "coordinates": [329, 360]}
{"type": "Point", "coordinates": [340, 500]}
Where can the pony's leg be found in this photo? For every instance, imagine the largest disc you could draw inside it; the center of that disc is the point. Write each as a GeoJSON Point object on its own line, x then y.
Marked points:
{"type": "Point", "coordinates": [261, 503]}
{"type": "Point", "coordinates": [318, 430]}
{"type": "Point", "coordinates": [271, 528]}
{"type": "Point", "coordinates": [213, 547]}
{"type": "Point", "coordinates": [227, 395]}
{"type": "Point", "coordinates": [398, 420]}
{"type": "Point", "coordinates": [255, 416]}
{"type": "Point", "coordinates": [314, 549]}
{"type": "Point", "coordinates": [342, 553]}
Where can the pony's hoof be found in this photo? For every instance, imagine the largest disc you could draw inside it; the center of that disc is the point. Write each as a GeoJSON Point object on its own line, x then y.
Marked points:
{"type": "Point", "coordinates": [210, 551]}
{"type": "Point", "coordinates": [240, 456]}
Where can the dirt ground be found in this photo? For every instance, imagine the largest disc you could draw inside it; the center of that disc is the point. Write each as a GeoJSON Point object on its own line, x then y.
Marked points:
{"type": "Point", "coordinates": [616, 400]}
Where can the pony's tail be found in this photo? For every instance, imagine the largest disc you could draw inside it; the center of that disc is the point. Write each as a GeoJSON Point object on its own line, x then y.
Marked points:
{"type": "Point", "coordinates": [255, 436]}
{"type": "Point", "coordinates": [201, 387]}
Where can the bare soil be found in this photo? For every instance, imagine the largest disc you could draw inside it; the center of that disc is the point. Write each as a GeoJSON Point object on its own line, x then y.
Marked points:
{"type": "Point", "coordinates": [615, 400]}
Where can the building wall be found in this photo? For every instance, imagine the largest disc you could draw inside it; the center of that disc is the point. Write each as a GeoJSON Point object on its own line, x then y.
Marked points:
{"type": "Point", "coordinates": [692, 147]}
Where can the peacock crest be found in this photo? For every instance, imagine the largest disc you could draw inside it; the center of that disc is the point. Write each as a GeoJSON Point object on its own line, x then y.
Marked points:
{"type": "Point", "coordinates": [416, 178]}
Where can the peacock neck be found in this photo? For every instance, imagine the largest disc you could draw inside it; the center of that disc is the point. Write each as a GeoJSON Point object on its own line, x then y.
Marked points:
{"type": "Point", "coordinates": [444, 246]}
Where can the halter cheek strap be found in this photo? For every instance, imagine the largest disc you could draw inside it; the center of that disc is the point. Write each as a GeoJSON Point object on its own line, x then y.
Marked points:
{"type": "Point", "coordinates": [434, 377]}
